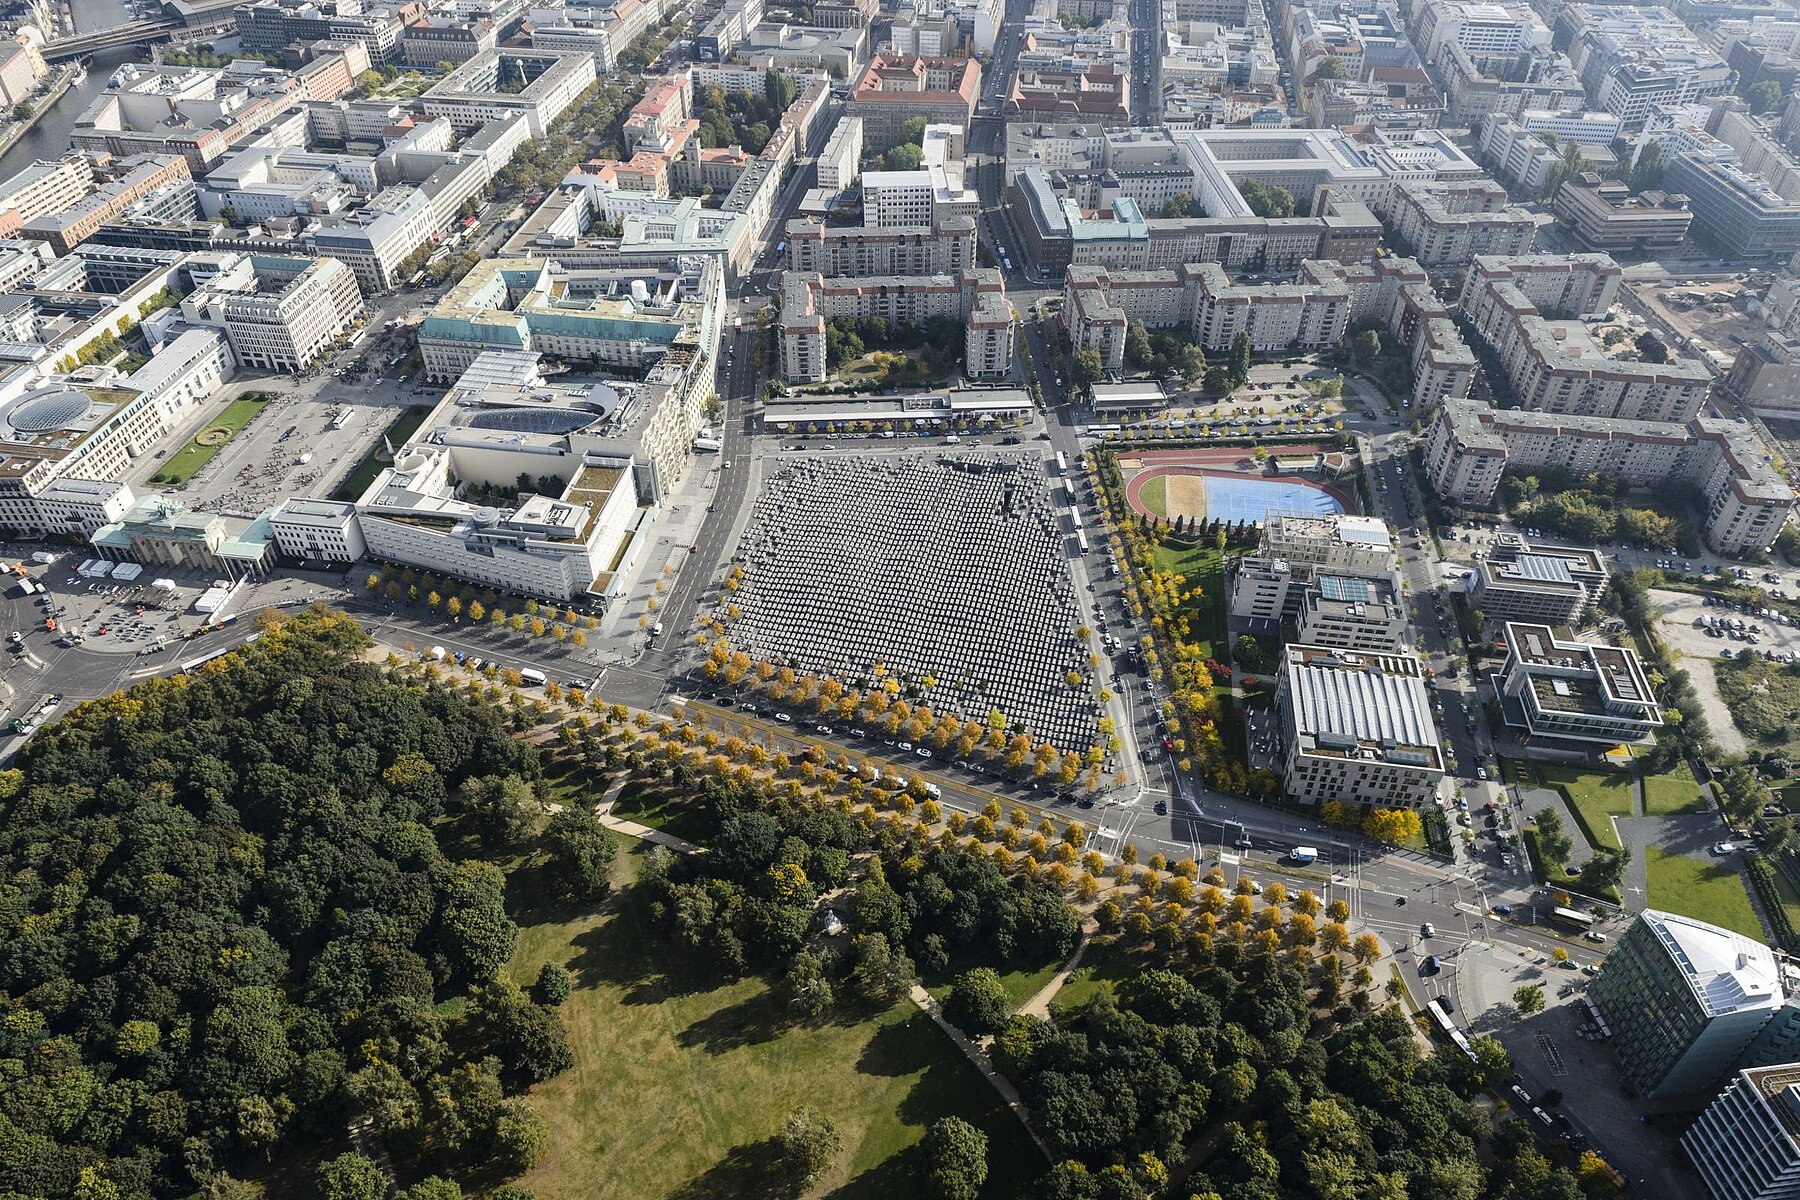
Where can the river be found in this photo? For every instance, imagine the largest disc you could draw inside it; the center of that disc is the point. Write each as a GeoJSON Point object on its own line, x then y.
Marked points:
{"type": "Point", "coordinates": [49, 138]}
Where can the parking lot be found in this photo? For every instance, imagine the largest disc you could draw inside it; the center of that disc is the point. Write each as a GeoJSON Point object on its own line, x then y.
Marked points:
{"type": "Point", "coordinates": [1694, 629]}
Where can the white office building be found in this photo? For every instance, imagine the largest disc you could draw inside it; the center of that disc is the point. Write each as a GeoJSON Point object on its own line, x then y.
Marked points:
{"type": "Point", "coordinates": [280, 312]}
{"type": "Point", "coordinates": [317, 531]}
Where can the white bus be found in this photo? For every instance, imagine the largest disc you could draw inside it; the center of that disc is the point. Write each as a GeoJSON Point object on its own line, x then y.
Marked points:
{"type": "Point", "coordinates": [533, 677]}
{"type": "Point", "coordinates": [1062, 463]}
{"type": "Point", "coordinates": [1081, 541]}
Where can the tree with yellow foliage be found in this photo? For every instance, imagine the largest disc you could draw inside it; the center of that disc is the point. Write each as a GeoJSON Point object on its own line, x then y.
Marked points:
{"type": "Point", "coordinates": [1393, 825]}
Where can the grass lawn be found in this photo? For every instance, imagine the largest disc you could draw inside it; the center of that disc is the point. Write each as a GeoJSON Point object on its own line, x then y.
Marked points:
{"type": "Point", "coordinates": [357, 482]}
{"type": "Point", "coordinates": [1595, 796]}
{"type": "Point", "coordinates": [568, 780]}
{"type": "Point", "coordinates": [1020, 984]}
{"type": "Point", "coordinates": [1706, 891]}
{"type": "Point", "coordinates": [677, 1081]}
{"type": "Point", "coordinates": [190, 458]}
{"type": "Point", "coordinates": [661, 809]}
{"type": "Point", "coordinates": [1155, 495]}
{"type": "Point", "coordinates": [1103, 968]}
{"type": "Point", "coordinates": [1203, 567]}
{"type": "Point", "coordinates": [1674, 791]}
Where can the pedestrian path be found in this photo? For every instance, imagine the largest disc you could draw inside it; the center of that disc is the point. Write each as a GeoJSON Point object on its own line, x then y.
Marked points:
{"type": "Point", "coordinates": [646, 834]}
{"type": "Point", "coordinates": [985, 1065]}
{"type": "Point", "coordinates": [1039, 1004]}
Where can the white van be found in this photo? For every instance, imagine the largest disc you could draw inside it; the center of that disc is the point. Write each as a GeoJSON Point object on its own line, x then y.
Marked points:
{"type": "Point", "coordinates": [1304, 854]}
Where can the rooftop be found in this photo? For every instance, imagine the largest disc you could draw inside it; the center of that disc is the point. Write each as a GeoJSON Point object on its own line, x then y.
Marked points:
{"type": "Point", "coordinates": [1348, 704]}
{"type": "Point", "coordinates": [1727, 971]}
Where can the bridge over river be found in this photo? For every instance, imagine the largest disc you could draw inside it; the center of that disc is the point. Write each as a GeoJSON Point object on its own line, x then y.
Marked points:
{"type": "Point", "coordinates": [178, 17]}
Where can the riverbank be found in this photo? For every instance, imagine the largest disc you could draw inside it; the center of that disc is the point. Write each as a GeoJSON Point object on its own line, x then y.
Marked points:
{"type": "Point", "coordinates": [65, 79]}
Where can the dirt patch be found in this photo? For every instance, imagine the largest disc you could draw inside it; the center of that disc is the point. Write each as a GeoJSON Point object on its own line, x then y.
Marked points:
{"type": "Point", "coordinates": [1699, 655]}
{"type": "Point", "coordinates": [1185, 495]}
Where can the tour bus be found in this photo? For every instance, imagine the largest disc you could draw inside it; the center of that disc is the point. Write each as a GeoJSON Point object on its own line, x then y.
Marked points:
{"type": "Point", "coordinates": [533, 676]}
{"type": "Point", "coordinates": [1081, 541]}
{"type": "Point", "coordinates": [1569, 916]}
{"type": "Point", "coordinates": [1062, 462]}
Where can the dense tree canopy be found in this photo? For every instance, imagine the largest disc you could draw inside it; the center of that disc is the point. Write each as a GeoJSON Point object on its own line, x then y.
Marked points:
{"type": "Point", "coordinates": [228, 919]}
{"type": "Point", "coordinates": [1235, 1072]}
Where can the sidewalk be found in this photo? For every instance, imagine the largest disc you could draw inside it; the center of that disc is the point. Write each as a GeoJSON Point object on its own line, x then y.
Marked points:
{"type": "Point", "coordinates": [979, 1057]}
{"type": "Point", "coordinates": [1039, 1004]}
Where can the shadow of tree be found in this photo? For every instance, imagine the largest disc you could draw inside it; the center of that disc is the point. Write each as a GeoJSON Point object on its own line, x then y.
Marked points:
{"type": "Point", "coordinates": [748, 1170]}
{"type": "Point", "coordinates": [898, 1175]}
{"type": "Point", "coordinates": [894, 1049]}
{"type": "Point", "coordinates": [751, 1022]}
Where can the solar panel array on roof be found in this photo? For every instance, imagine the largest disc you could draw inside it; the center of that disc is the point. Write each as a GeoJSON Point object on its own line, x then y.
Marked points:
{"type": "Point", "coordinates": [1347, 587]}
{"type": "Point", "coordinates": [1542, 569]}
{"type": "Point", "coordinates": [1368, 705]}
{"type": "Point", "coordinates": [1367, 530]}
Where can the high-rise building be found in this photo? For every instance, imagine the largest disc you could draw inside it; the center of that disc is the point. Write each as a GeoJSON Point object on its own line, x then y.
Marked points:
{"type": "Point", "coordinates": [1687, 1002]}
{"type": "Point", "coordinates": [1746, 1145]}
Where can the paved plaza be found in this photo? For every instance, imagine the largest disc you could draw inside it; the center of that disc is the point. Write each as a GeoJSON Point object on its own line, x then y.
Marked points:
{"type": "Point", "coordinates": [951, 571]}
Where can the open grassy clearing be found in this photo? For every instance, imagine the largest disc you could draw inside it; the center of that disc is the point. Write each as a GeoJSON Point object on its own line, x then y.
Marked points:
{"type": "Point", "coordinates": [1594, 796]}
{"type": "Point", "coordinates": [1675, 791]}
{"type": "Point", "coordinates": [676, 1080]}
{"type": "Point", "coordinates": [1020, 984]}
{"type": "Point", "coordinates": [1706, 891]}
{"type": "Point", "coordinates": [1103, 968]}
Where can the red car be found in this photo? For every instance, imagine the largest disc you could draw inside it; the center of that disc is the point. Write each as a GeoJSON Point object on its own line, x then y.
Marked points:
{"type": "Point", "coordinates": [1169, 745]}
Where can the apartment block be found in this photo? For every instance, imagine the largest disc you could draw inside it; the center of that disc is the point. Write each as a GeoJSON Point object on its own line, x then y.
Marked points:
{"type": "Point", "coordinates": [976, 297]}
{"type": "Point", "coordinates": [942, 249]}
{"type": "Point", "coordinates": [1556, 364]}
{"type": "Point", "coordinates": [43, 188]}
{"type": "Point", "coordinates": [1766, 376]}
{"type": "Point", "coordinates": [1202, 300]}
{"type": "Point", "coordinates": [127, 182]}
{"type": "Point", "coordinates": [841, 158]}
{"type": "Point", "coordinates": [1745, 500]}
{"type": "Point", "coordinates": [1518, 154]}
{"type": "Point", "coordinates": [1455, 221]}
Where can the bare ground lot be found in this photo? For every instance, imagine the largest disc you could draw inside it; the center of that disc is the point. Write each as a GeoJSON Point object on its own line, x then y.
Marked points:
{"type": "Point", "coordinates": [1701, 654]}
